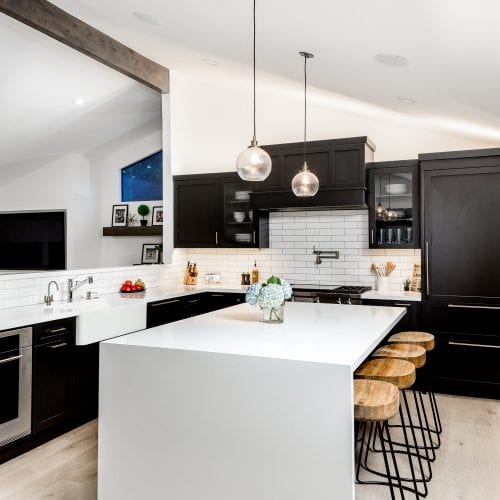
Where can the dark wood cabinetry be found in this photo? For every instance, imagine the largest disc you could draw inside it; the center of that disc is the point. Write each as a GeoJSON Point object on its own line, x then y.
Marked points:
{"type": "Point", "coordinates": [461, 276]}
{"type": "Point", "coordinates": [410, 321]}
{"type": "Point", "coordinates": [210, 211]}
{"type": "Point", "coordinates": [394, 187]}
{"type": "Point", "coordinates": [339, 165]}
{"type": "Point", "coordinates": [65, 376]}
{"type": "Point", "coordinates": [175, 309]}
{"type": "Point", "coordinates": [54, 376]}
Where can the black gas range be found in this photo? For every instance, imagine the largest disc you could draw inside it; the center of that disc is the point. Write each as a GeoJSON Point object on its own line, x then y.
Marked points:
{"type": "Point", "coordinates": [328, 293]}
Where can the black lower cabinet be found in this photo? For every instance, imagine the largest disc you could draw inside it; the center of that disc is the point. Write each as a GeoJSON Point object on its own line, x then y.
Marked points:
{"type": "Point", "coordinates": [87, 381]}
{"type": "Point", "coordinates": [64, 386]}
{"type": "Point", "coordinates": [175, 309]}
{"type": "Point", "coordinates": [466, 359]}
{"type": "Point", "coordinates": [466, 364]}
{"type": "Point", "coordinates": [54, 375]}
{"type": "Point", "coordinates": [410, 321]}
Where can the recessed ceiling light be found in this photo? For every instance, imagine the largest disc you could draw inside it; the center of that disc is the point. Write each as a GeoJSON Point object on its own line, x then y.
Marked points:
{"type": "Point", "coordinates": [79, 101]}
{"type": "Point", "coordinates": [392, 60]}
{"type": "Point", "coordinates": [407, 100]}
{"type": "Point", "coordinates": [210, 62]}
{"type": "Point", "coordinates": [146, 18]}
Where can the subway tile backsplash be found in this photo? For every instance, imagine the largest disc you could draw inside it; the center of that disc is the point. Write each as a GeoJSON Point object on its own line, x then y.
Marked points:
{"type": "Point", "coordinates": [27, 289]}
{"type": "Point", "coordinates": [293, 236]}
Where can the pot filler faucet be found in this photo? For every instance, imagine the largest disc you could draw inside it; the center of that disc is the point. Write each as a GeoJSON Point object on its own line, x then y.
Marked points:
{"type": "Point", "coordinates": [77, 284]}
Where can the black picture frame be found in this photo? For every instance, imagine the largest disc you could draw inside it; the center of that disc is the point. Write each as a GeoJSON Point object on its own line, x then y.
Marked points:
{"type": "Point", "coordinates": [150, 253]}
{"type": "Point", "coordinates": [119, 216]}
{"type": "Point", "coordinates": [157, 216]}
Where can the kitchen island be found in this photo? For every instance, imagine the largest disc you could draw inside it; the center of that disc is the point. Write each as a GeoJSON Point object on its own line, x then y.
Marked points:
{"type": "Point", "coordinates": [224, 407]}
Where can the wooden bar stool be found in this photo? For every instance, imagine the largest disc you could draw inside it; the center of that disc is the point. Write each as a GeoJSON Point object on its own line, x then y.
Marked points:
{"type": "Point", "coordinates": [402, 374]}
{"type": "Point", "coordinates": [417, 355]}
{"type": "Point", "coordinates": [427, 341]}
{"type": "Point", "coordinates": [375, 402]}
{"type": "Point", "coordinates": [423, 339]}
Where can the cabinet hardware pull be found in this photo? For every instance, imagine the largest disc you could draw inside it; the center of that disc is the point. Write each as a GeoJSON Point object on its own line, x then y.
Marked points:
{"type": "Point", "coordinates": [460, 306]}
{"type": "Point", "coordinates": [254, 237]}
{"type": "Point", "coordinates": [427, 267]}
{"type": "Point", "coordinates": [165, 302]}
{"type": "Point", "coordinates": [488, 346]}
{"type": "Point", "coordinates": [372, 239]}
{"type": "Point", "coordinates": [402, 305]}
{"type": "Point", "coordinates": [57, 330]}
{"type": "Point", "coordinates": [13, 358]}
{"type": "Point", "coordinates": [216, 295]}
{"type": "Point", "coordinates": [56, 346]}
{"type": "Point", "coordinates": [216, 237]}
{"type": "Point", "coordinates": [193, 301]}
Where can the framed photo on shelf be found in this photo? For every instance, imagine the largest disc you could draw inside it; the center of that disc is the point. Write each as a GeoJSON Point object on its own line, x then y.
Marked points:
{"type": "Point", "coordinates": [150, 253]}
{"type": "Point", "coordinates": [119, 216]}
{"type": "Point", "coordinates": [157, 218]}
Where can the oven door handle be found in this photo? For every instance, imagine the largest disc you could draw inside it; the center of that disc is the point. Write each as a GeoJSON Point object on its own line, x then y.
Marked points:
{"type": "Point", "coordinates": [13, 358]}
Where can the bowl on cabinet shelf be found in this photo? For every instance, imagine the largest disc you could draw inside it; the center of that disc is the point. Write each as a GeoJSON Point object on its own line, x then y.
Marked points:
{"type": "Point", "coordinates": [396, 189]}
{"type": "Point", "coordinates": [239, 216]}
{"type": "Point", "coordinates": [243, 237]}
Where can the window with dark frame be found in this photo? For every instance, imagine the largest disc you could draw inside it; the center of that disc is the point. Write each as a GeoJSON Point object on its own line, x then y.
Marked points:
{"type": "Point", "coordinates": [143, 180]}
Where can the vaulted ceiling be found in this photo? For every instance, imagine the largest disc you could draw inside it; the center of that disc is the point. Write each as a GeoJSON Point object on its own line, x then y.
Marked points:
{"type": "Point", "coordinates": [451, 78]}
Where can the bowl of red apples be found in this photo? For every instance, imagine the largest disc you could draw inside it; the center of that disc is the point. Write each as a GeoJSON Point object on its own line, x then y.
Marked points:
{"type": "Point", "coordinates": [131, 287]}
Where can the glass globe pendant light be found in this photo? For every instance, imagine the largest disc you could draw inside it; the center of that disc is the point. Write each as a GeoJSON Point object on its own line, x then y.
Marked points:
{"type": "Point", "coordinates": [305, 183]}
{"type": "Point", "coordinates": [253, 164]}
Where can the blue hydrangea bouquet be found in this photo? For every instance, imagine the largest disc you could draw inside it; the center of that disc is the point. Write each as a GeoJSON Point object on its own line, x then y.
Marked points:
{"type": "Point", "coordinates": [270, 297]}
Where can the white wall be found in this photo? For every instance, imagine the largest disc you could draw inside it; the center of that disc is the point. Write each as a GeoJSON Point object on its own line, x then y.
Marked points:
{"type": "Point", "coordinates": [61, 184]}
{"type": "Point", "coordinates": [123, 251]}
{"type": "Point", "coordinates": [212, 124]}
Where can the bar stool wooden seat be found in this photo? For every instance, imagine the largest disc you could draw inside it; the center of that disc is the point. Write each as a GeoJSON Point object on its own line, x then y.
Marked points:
{"type": "Point", "coordinates": [375, 402]}
{"type": "Point", "coordinates": [424, 339]}
{"type": "Point", "coordinates": [399, 372]}
{"type": "Point", "coordinates": [408, 352]}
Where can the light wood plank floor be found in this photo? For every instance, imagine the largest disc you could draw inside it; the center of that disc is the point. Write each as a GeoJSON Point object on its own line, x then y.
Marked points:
{"type": "Point", "coordinates": [466, 468]}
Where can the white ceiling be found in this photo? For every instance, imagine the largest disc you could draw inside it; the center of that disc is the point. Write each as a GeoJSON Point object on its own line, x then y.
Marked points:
{"type": "Point", "coordinates": [38, 118]}
{"type": "Point", "coordinates": [452, 47]}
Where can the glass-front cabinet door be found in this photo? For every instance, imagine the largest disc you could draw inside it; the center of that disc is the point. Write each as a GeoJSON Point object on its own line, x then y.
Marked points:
{"type": "Point", "coordinates": [394, 204]}
{"type": "Point", "coordinates": [242, 226]}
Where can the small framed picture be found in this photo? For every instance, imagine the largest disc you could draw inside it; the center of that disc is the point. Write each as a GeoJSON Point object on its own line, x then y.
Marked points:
{"type": "Point", "coordinates": [150, 253]}
{"type": "Point", "coordinates": [157, 218]}
{"type": "Point", "coordinates": [120, 215]}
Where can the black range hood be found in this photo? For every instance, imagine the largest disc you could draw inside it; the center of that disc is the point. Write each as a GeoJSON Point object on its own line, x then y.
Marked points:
{"type": "Point", "coordinates": [338, 163]}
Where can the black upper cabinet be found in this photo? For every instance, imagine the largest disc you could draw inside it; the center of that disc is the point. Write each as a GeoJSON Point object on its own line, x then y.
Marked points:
{"type": "Point", "coordinates": [213, 210]}
{"type": "Point", "coordinates": [394, 185]}
{"type": "Point", "coordinates": [339, 165]}
{"type": "Point", "coordinates": [196, 212]}
{"type": "Point", "coordinates": [461, 226]}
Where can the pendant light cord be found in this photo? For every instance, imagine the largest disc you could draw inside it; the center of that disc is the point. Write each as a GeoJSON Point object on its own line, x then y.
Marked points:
{"type": "Point", "coordinates": [305, 107]}
{"type": "Point", "coordinates": [254, 142]}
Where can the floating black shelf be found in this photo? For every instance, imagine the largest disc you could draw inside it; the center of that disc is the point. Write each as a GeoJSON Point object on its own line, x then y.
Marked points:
{"type": "Point", "coordinates": [133, 231]}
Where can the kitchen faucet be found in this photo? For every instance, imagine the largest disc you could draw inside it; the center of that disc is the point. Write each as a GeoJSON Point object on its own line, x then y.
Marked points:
{"type": "Point", "coordinates": [72, 287]}
{"type": "Point", "coordinates": [49, 298]}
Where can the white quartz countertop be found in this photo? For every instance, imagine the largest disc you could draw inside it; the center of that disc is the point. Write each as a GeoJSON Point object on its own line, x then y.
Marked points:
{"type": "Point", "coordinates": [322, 333]}
{"type": "Point", "coordinates": [16, 317]}
{"type": "Point", "coordinates": [393, 295]}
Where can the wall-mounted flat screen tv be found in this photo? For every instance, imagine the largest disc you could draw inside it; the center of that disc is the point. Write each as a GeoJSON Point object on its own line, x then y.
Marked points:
{"type": "Point", "coordinates": [33, 241]}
